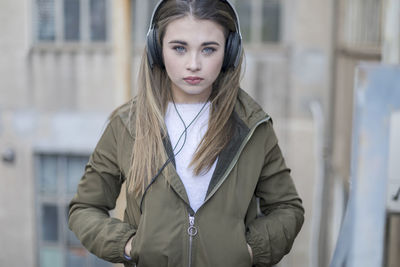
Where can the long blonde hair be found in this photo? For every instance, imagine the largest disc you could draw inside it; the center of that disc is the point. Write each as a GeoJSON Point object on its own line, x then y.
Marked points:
{"type": "Point", "coordinates": [154, 93]}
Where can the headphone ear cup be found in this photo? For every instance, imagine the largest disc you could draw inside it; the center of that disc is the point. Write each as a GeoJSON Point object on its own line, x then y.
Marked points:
{"type": "Point", "coordinates": [154, 51]}
{"type": "Point", "coordinates": [232, 51]}
{"type": "Point", "coordinates": [150, 48]}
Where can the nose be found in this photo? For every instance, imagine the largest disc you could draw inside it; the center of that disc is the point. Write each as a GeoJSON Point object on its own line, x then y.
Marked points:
{"type": "Point", "coordinates": [193, 62]}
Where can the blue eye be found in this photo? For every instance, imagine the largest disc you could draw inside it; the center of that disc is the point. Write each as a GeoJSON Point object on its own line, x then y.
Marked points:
{"type": "Point", "coordinates": [209, 50]}
{"type": "Point", "coordinates": [179, 49]}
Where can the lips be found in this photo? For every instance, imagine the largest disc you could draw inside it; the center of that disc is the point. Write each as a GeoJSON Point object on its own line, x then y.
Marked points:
{"type": "Point", "coordinates": [192, 80]}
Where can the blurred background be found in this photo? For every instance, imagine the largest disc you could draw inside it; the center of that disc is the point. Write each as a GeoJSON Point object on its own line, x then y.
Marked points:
{"type": "Point", "coordinates": [318, 67]}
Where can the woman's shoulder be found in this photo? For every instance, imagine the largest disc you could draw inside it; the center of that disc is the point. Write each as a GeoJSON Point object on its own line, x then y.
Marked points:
{"type": "Point", "coordinates": [248, 110]}
{"type": "Point", "coordinates": [124, 115]}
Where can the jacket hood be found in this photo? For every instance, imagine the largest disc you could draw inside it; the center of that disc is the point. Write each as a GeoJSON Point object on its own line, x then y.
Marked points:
{"type": "Point", "coordinates": [249, 111]}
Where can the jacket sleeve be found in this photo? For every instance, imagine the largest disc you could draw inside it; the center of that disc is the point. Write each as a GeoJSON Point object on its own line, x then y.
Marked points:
{"type": "Point", "coordinates": [271, 236]}
{"type": "Point", "coordinates": [97, 192]}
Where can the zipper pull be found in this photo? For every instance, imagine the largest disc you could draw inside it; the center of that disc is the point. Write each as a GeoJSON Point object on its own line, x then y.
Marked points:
{"type": "Point", "coordinates": [192, 230]}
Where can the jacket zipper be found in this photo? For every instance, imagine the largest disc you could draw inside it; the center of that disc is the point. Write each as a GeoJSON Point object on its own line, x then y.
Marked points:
{"type": "Point", "coordinates": [236, 157]}
{"type": "Point", "coordinates": [192, 231]}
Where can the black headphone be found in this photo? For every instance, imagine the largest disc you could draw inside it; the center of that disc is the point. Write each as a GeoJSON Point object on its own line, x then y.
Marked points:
{"type": "Point", "coordinates": [233, 45]}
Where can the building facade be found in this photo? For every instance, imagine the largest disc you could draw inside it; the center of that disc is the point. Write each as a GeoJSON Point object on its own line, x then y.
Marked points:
{"type": "Point", "coordinates": [66, 64]}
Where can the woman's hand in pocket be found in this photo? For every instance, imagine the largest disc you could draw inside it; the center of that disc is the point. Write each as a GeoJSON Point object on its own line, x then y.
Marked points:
{"type": "Point", "coordinates": [250, 252]}
{"type": "Point", "coordinates": [128, 246]}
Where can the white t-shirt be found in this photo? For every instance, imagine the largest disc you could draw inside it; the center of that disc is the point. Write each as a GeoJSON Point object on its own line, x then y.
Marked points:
{"type": "Point", "coordinates": [196, 185]}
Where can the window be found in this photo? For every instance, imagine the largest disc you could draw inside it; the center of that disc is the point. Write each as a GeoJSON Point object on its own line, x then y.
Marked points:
{"type": "Point", "coordinates": [71, 21]}
{"type": "Point", "coordinates": [141, 15]}
{"type": "Point", "coordinates": [362, 23]}
{"type": "Point", "coordinates": [260, 20]}
{"type": "Point", "coordinates": [271, 16]}
{"type": "Point", "coordinates": [244, 12]}
{"type": "Point", "coordinates": [98, 16]}
{"type": "Point", "coordinates": [57, 177]}
{"type": "Point", "coordinates": [45, 20]}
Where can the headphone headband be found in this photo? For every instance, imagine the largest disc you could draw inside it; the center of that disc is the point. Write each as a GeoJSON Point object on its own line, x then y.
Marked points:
{"type": "Point", "coordinates": [237, 22]}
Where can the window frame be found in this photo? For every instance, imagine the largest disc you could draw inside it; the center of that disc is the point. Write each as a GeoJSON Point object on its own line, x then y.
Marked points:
{"type": "Point", "coordinates": [60, 200]}
{"type": "Point", "coordinates": [84, 27]}
{"type": "Point", "coordinates": [256, 23]}
{"type": "Point", "coordinates": [142, 10]}
{"type": "Point", "coordinates": [352, 35]}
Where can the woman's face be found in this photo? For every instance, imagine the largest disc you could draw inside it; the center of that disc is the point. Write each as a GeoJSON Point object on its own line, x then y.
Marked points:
{"type": "Point", "coordinates": [193, 53]}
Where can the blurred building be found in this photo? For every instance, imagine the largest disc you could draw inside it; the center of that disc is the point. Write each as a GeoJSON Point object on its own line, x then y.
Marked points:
{"type": "Point", "coordinates": [66, 64]}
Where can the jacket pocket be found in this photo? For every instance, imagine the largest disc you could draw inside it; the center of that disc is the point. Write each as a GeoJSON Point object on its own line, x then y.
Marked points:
{"type": "Point", "coordinates": [136, 244]}
{"type": "Point", "coordinates": [245, 249]}
{"type": "Point", "coordinates": [130, 264]}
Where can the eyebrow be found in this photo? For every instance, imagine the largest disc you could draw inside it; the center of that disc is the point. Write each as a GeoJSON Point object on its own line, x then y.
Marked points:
{"type": "Point", "coordinates": [185, 43]}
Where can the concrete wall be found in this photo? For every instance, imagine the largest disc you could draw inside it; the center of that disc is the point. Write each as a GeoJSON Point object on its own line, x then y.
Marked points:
{"type": "Point", "coordinates": [16, 217]}
{"type": "Point", "coordinates": [14, 46]}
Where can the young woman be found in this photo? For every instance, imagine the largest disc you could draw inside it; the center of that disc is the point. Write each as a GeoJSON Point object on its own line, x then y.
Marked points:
{"type": "Point", "coordinates": [206, 181]}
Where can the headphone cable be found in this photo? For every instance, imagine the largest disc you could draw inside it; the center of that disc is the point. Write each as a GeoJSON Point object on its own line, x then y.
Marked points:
{"type": "Point", "coordinates": [174, 155]}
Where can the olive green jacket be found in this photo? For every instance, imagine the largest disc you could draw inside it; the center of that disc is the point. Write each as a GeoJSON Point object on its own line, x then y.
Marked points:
{"type": "Point", "coordinates": [251, 199]}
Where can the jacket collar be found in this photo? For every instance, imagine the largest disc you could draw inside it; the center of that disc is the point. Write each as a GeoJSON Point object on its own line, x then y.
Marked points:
{"type": "Point", "coordinates": [246, 109]}
{"type": "Point", "coordinates": [246, 115]}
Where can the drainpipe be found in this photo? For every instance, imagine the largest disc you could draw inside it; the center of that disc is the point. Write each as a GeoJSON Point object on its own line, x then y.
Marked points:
{"type": "Point", "coordinates": [391, 32]}
{"type": "Point", "coordinates": [326, 238]}
{"type": "Point", "coordinates": [121, 24]}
